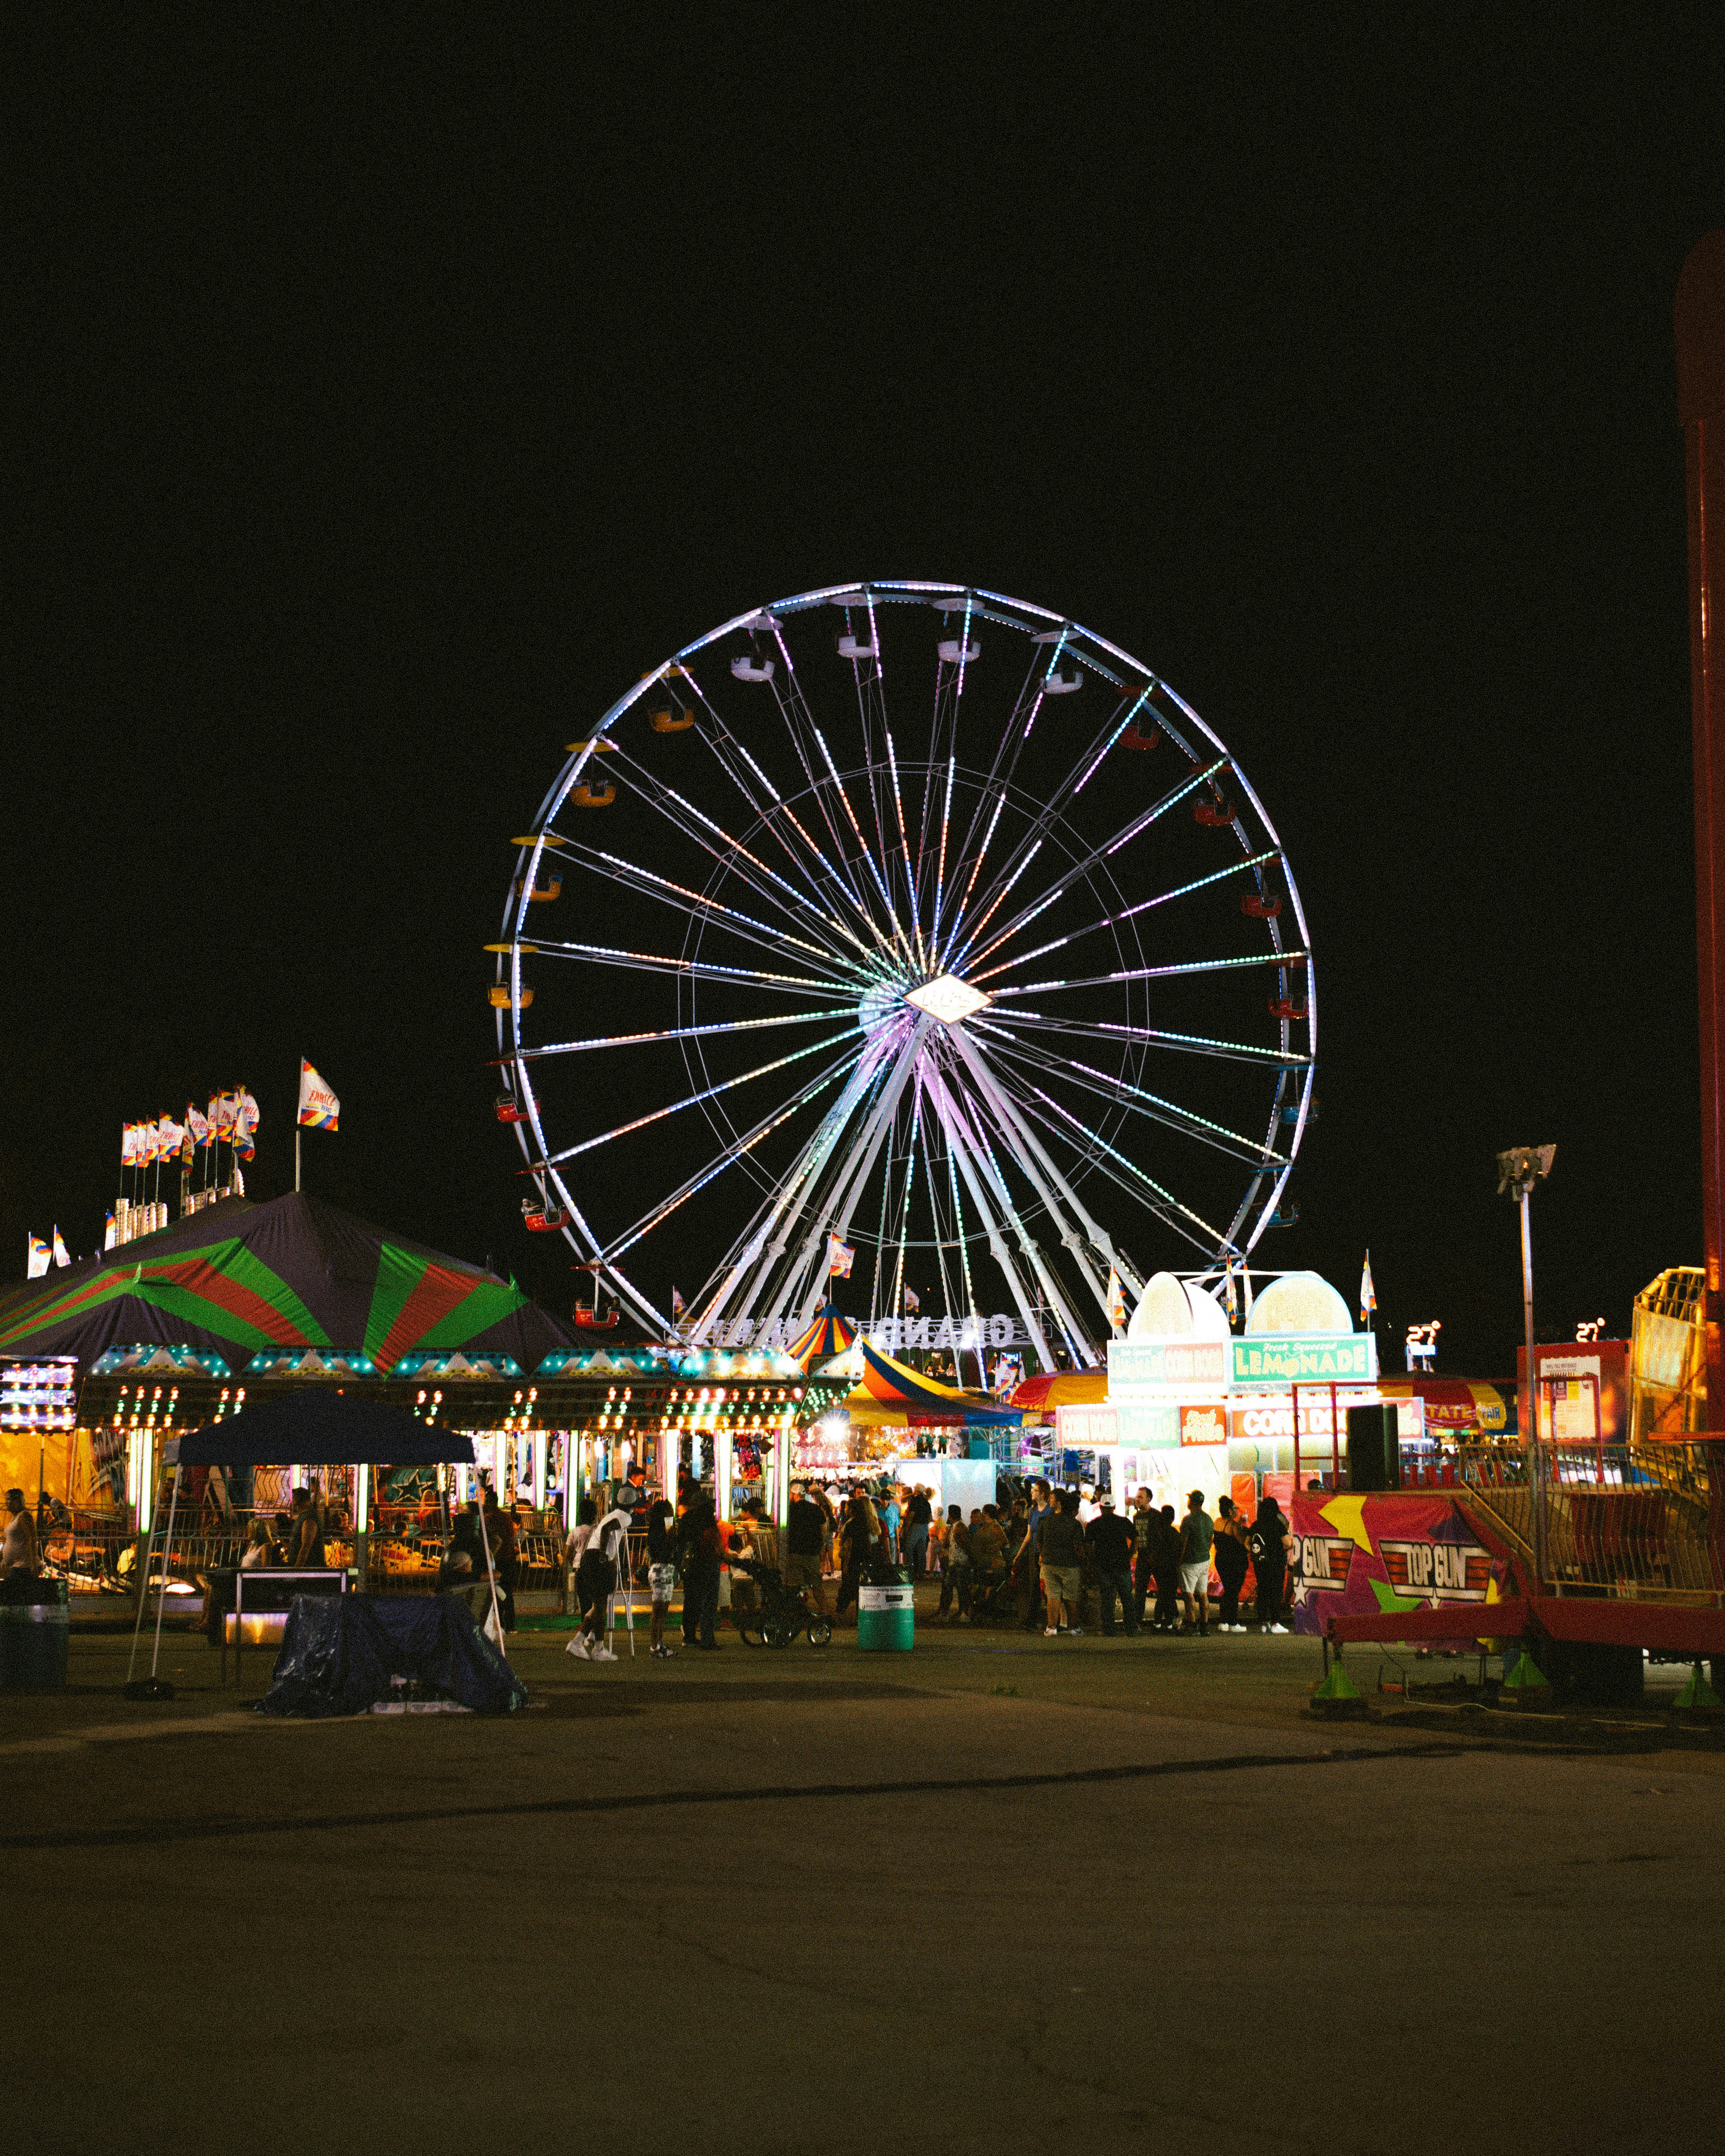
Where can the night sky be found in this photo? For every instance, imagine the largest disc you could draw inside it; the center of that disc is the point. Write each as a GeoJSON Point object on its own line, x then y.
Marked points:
{"type": "Point", "coordinates": [382, 414]}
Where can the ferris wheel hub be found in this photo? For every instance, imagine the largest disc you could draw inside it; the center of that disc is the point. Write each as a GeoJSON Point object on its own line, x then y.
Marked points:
{"type": "Point", "coordinates": [948, 999]}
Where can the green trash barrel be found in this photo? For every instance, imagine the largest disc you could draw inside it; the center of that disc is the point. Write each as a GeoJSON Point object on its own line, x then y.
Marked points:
{"type": "Point", "coordinates": [35, 1630]}
{"type": "Point", "coordinates": [886, 1618]}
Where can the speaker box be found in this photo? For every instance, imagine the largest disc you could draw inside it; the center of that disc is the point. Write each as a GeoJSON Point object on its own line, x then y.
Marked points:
{"type": "Point", "coordinates": [1375, 1453]}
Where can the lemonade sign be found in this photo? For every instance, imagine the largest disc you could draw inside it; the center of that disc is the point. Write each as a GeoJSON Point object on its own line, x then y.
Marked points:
{"type": "Point", "coordinates": [1304, 1358]}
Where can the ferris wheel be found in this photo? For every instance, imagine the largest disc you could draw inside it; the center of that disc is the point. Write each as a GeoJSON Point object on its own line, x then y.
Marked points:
{"type": "Point", "coordinates": [907, 929]}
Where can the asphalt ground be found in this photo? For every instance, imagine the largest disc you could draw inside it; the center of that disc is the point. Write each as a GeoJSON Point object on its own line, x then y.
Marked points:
{"type": "Point", "coordinates": [998, 1893]}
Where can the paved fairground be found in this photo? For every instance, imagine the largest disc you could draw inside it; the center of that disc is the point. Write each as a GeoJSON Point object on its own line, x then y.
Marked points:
{"type": "Point", "coordinates": [997, 1893]}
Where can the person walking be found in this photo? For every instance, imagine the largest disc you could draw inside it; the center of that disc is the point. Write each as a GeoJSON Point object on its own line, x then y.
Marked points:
{"type": "Point", "coordinates": [1197, 1534]}
{"type": "Point", "coordinates": [919, 1516]}
{"type": "Point", "coordinates": [579, 1535]}
{"type": "Point", "coordinates": [595, 1583]}
{"type": "Point", "coordinates": [1059, 1545]}
{"type": "Point", "coordinates": [955, 1572]}
{"type": "Point", "coordinates": [1271, 1543]}
{"type": "Point", "coordinates": [1231, 1560]}
{"type": "Point", "coordinates": [661, 1573]}
{"type": "Point", "coordinates": [1112, 1541]}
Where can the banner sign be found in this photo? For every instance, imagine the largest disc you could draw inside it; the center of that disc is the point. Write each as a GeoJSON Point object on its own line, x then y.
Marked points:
{"type": "Point", "coordinates": [1366, 1555]}
{"type": "Point", "coordinates": [1142, 1371]}
{"type": "Point", "coordinates": [1202, 1425]}
{"type": "Point", "coordinates": [1086, 1426]}
{"type": "Point", "coordinates": [1304, 1358]}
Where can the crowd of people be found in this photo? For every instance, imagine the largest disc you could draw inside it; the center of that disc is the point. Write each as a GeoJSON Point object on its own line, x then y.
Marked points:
{"type": "Point", "coordinates": [1037, 1559]}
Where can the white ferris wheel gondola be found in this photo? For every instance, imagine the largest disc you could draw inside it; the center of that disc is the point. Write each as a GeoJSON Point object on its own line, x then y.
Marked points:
{"type": "Point", "coordinates": [1018, 947]}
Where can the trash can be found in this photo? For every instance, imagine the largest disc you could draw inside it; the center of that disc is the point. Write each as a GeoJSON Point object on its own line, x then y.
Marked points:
{"type": "Point", "coordinates": [886, 1618]}
{"type": "Point", "coordinates": [35, 1629]}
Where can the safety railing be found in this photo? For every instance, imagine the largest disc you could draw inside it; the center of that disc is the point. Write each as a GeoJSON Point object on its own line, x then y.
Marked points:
{"type": "Point", "coordinates": [1637, 1522]}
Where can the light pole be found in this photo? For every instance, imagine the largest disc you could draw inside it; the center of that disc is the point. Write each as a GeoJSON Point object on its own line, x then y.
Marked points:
{"type": "Point", "coordinates": [1517, 1171]}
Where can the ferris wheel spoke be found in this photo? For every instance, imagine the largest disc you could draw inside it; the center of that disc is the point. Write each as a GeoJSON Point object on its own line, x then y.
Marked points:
{"type": "Point", "coordinates": [1275, 958]}
{"type": "Point", "coordinates": [743, 1145]}
{"type": "Point", "coordinates": [729, 852]}
{"type": "Point", "coordinates": [1082, 867]}
{"type": "Point", "coordinates": [1167, 1207]}
{"type": "Point", "coordinates": [1011, 1110]}
{"type": "Point", "coordinates": [669, 1033]}
{"type": "Point", "coordinates": [691, 1101]}
{"type": "Point", "coordinates": [694, 905]}
{"type": "Point", "coordinates": [1186, 1043]}
{"type": "Point", "coordinates": [1152, 1106]}
{"type": "Point", "coordinates": [1029, 1159]}
{"type": "Point", "coordinates": [694, 969]}
{"type": "Point", "coordinates": [1060, 796]}
{"type": "Point", "coordinates": [988, 1189]}
{"type": "Point", "coordinates": [755, 1256]}
{"type": "Point", "coordinates": [1244, 866]}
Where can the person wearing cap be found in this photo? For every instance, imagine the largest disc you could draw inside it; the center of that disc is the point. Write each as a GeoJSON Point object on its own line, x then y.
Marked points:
{"type": "Point", "coordinates": [632, 1497]}
{"type": "Point", "coordinates": [1111, 1541]}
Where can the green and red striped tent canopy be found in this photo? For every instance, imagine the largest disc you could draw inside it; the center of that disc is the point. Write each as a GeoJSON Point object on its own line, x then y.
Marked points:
{"type": "Point", "coordinates": [295, 1272]}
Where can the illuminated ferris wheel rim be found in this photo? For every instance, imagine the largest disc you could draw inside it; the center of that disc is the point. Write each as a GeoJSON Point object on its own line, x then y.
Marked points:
{"type": "Point", "coordinates": [939, 994]}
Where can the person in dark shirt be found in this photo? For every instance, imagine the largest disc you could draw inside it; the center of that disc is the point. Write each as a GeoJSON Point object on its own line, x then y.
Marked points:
{"type": "Point", "coordinates": [506, 1558]}
{"type": "Point", "coordinates": [919, 1516]}
{"type": "Point", "coordinates": [805, 1537]}
{"type": "Point", "coordinates": [1168, 1571]}
{"type": "Point", "coordinates": [661, 1573]}
{"type": "Point", "coordinates": [1060, 1542]}
{"type": "Point", "coordinates": [1111, 1541]}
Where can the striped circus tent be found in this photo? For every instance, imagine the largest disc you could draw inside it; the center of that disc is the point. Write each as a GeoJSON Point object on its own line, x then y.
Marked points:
{"type": "Point", "coordinates": [829, 1334]}
{"type": "Point", "coordinates": [893, 1384]}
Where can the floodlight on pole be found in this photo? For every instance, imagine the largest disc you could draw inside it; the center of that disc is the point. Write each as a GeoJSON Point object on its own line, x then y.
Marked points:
{"type": "Point", "coordinates": [1517, 1171]}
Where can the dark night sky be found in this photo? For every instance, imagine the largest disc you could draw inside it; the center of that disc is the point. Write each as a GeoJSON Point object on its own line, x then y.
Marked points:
{"type": "Point", "coordinates": [379, 415]}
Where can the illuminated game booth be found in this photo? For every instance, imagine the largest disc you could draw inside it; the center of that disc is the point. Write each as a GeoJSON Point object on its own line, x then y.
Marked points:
{"type": "Point", "coordinates": [1191, 1404]}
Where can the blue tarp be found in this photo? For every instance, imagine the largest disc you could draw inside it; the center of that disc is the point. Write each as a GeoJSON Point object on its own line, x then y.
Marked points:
{"type": "Point", "coordinates": [340, 1651]}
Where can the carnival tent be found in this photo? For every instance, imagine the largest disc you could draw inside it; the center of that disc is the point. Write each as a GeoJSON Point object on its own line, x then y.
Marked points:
{"type": "Point", "coordinates": [829, 1335]}
{"type": "Point", "coordinates": [295, 1273]}
{"type": "Point", "coordinates": [898, 1390]}
{"type": "Point", "coordinates": [1041, 1393]}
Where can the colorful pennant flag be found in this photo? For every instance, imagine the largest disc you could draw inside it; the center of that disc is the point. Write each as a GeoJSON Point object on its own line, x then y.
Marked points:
{"type": "Point", "coordinates": [912, 1301]}
{"type": "Point", "coordinates": [1367, 1293]}
{"type": "Point", "coordinates": [61, 1256]}
{"type": "Point", "coordinates": [680, 1309]}
{"type": "Point", "coordinates": [1116, 1299]}
{"type": "Point", "coordinates": [246, 1119]}
{"type": "Point", "coordinates": [319, 1108]}
{"type": "Point", "coordinates": [108, 1236]}
{"type": "Point", "coordinates": [39, 1257]}
{"type": "Point", "coordinates": [1230, 1300]}
{"type": "Point", "coordinates": [200, 1126]}
{"type": "Point", "coordinates": [128, 1144]}
{"type": "Point", "coordinates": [838, 1258]}
{"type": "Point", "coordinates": [221, 1114]}
{"type": "Point", "coordinates": [172, 1137]}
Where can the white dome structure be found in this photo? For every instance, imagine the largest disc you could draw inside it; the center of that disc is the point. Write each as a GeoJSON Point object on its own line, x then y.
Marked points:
{"type": "Point", "coordinates": [1299, 1302]}
{"type": "Point", "coordinates": [1171, 1309]}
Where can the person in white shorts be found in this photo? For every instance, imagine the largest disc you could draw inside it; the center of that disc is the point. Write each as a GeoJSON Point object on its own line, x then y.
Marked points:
{"type": "Point", "coordinates": [1197, 1533]}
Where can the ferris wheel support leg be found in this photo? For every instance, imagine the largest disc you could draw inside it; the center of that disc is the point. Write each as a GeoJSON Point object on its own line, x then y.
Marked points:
{"type": "Point", "coordinates": [997, 1239]}
{"type": "Point", "coordinates": [811, 1164]}
{"type": "Point", "coordinates": [858, 1166]}
{"type": "Point", "coordinates": [1035, 1150]}
{"type": "Point", "coordinates": [1054, 1295]}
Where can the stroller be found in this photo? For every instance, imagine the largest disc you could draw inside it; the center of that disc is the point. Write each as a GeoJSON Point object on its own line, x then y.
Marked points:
{"type": "Point", "coordinates": [783, 1613]}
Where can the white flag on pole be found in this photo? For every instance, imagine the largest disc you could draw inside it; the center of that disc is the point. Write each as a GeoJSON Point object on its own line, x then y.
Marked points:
{"type": "Point", "coordinates": [61, 1256]}
{"type": "Point", "coordinates": [319, 1108]}
{"type": "Point", "coordinates": [39, 1257]}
